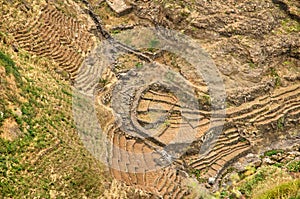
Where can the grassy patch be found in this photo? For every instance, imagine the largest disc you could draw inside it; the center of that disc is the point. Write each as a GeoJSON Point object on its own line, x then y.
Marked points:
{"type": "Point", "coordinates": [279, 165]}
{"type": "Point", "coordinates": [4, 112]}
{"type": "Point", "coordinates": [265, 179]}
{"type": "Point", "coordinates": [10, 66]}
{"type": "Point", "coordinates": [251, 182]}
{"type": "Point", "coordinates": [273, 152]}
{"type": "Point", "coordinates": [286, 190]}
{"type": "Point", "coordinates": [290, 25]}
{"type": "Point", "coordinates": [33, 164]}
{"type": "Point", "coordinates": [11, 167]}
{"type": "Point", "coordinates": [197, 174]}
{"type": "Point", "coordinates": [294, 166]}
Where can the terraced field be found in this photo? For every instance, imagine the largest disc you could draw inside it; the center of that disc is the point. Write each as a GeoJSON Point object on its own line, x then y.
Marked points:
{"type": "Point", "coordinates": [244, 128]}
{"type": "Point", "coordinates": [132, 161]}
{"type": "Point", "coordinates": [243, 125]}
{"type": "Point", "coordinates": [155, 146]}
{"type": "Point", "coordinates": [57, 36]}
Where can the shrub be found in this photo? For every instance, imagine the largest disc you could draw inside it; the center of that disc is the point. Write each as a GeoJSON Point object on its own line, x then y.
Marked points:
{"type": "Point", "coordinates": [273, 152]}
{"type": "Point", "coordinates": [294, 166]}
{"type": "Point", "coordinates": [251, 183]}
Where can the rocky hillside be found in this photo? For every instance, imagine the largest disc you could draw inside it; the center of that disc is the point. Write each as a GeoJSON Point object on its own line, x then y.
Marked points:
{"type": "Point", "coordinates": [57, 79]}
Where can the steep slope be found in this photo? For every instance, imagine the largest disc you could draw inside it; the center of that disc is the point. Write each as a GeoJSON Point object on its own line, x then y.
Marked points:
{"type": "Point", "coordinates": [43, 45]}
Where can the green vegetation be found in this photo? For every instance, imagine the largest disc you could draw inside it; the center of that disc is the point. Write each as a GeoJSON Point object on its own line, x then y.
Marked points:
{"type": "Point", "coordinates": [251, 182]}
{"type": "Point", "coordinates": [103, 82]}
{"type": "Point", "coordinates": [204, 100]}
{"type": "Point", "coordinates": [250, 169]}
{"type": "Point", "coordinates": [273, 152]}
{"type": "Point", "coordinates": [290, 25]}
{"type": "Point", "coordinates": [276, 77]}
{"type": "Point", "coordinates": [280, 123]}
{"type": "Point", "coordinates": [292, 66]}
{"type": "Point", "coordinates": [13, 182]}
{"type": "Point", "coordinates": [265, 182]}
{"type": "Point", "coordinates": [197, 174]}
{"type": "Point", "coordinates": [288, 190]}
{"type": "Point", "coordinates": [198, 191]}
{"type": "Point", "coordinates": [153, 45]}
{"type": "Point", "coordinates": [64, 8]}
{"type": "Point", "coordinates": [10, 68]}
{"type": "Point", "coordinates": [139, 65]}
{"type": "Point", "coordinates": [252, 65]}
{"type": "Point", "coordinates": [9, 65]}
{"type": "Point", "coordinates": [224, 194]}
{"type": "Point", "coordinates": [242, 139]}
{"type": "Point", "coordinates": [46, 159]}
{"type": "Point", "coordinates": [114, 32]}
{"type": "Point", "coordinates": [294, 166]}
{"type": "Point", "coordinates": [288, 63]}
{"type": "Point", "coordinates": [279, 165]}
{"type": "Point", "coordinates": [167, 123]}
{"type": "Point", "coordinates": [4, 112]}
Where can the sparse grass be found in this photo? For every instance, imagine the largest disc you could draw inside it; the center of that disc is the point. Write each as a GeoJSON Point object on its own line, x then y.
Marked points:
{"type": "Point", "coordinates": [247, 187]}
{"type": "Point", "coordinates": [286, 190]}
{"type": "Point", "coordinates": [280, 123]}
{"type": "Point", "coordinates": [65, 9]}
{"type": "Point", "coordinates": [197, 191]}
{"type": "Point", "coordinates": [197, 174]}
{"type": "Point", "coordinates": [288, 63]}
{"type": "Point", "coordinates": [103, 82]}
{"type": "Point", "coordinates": [46, 106]}
{"type": "Point", "coordinates": [167, 123]}
{"type": "Point", "coordinates": [290, 25]}
{"type": "Point", "coordinates": [250, 170]}
{"type": "Point", "coordinates": [242, 139]}
{"type": "Point", "coordinates": [276, 77]}
{"type": "Point", "coordinates": [252, 65]}
{"type": "Point", "coordinates": [4, 112]}
{"type": "Point", "coordinates": [267, 181]}
{"type": "Point", "coordinates": [153, 45]}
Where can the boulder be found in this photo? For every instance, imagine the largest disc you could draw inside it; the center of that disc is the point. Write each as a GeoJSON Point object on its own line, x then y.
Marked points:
{"type": "Point", "coordinates": [119, 6]}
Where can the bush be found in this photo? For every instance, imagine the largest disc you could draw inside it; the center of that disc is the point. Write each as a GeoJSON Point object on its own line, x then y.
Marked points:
{"type": "Point", "coordinates": [294, 166]}
{"type": "Point", "coordinates": [273, 152]}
